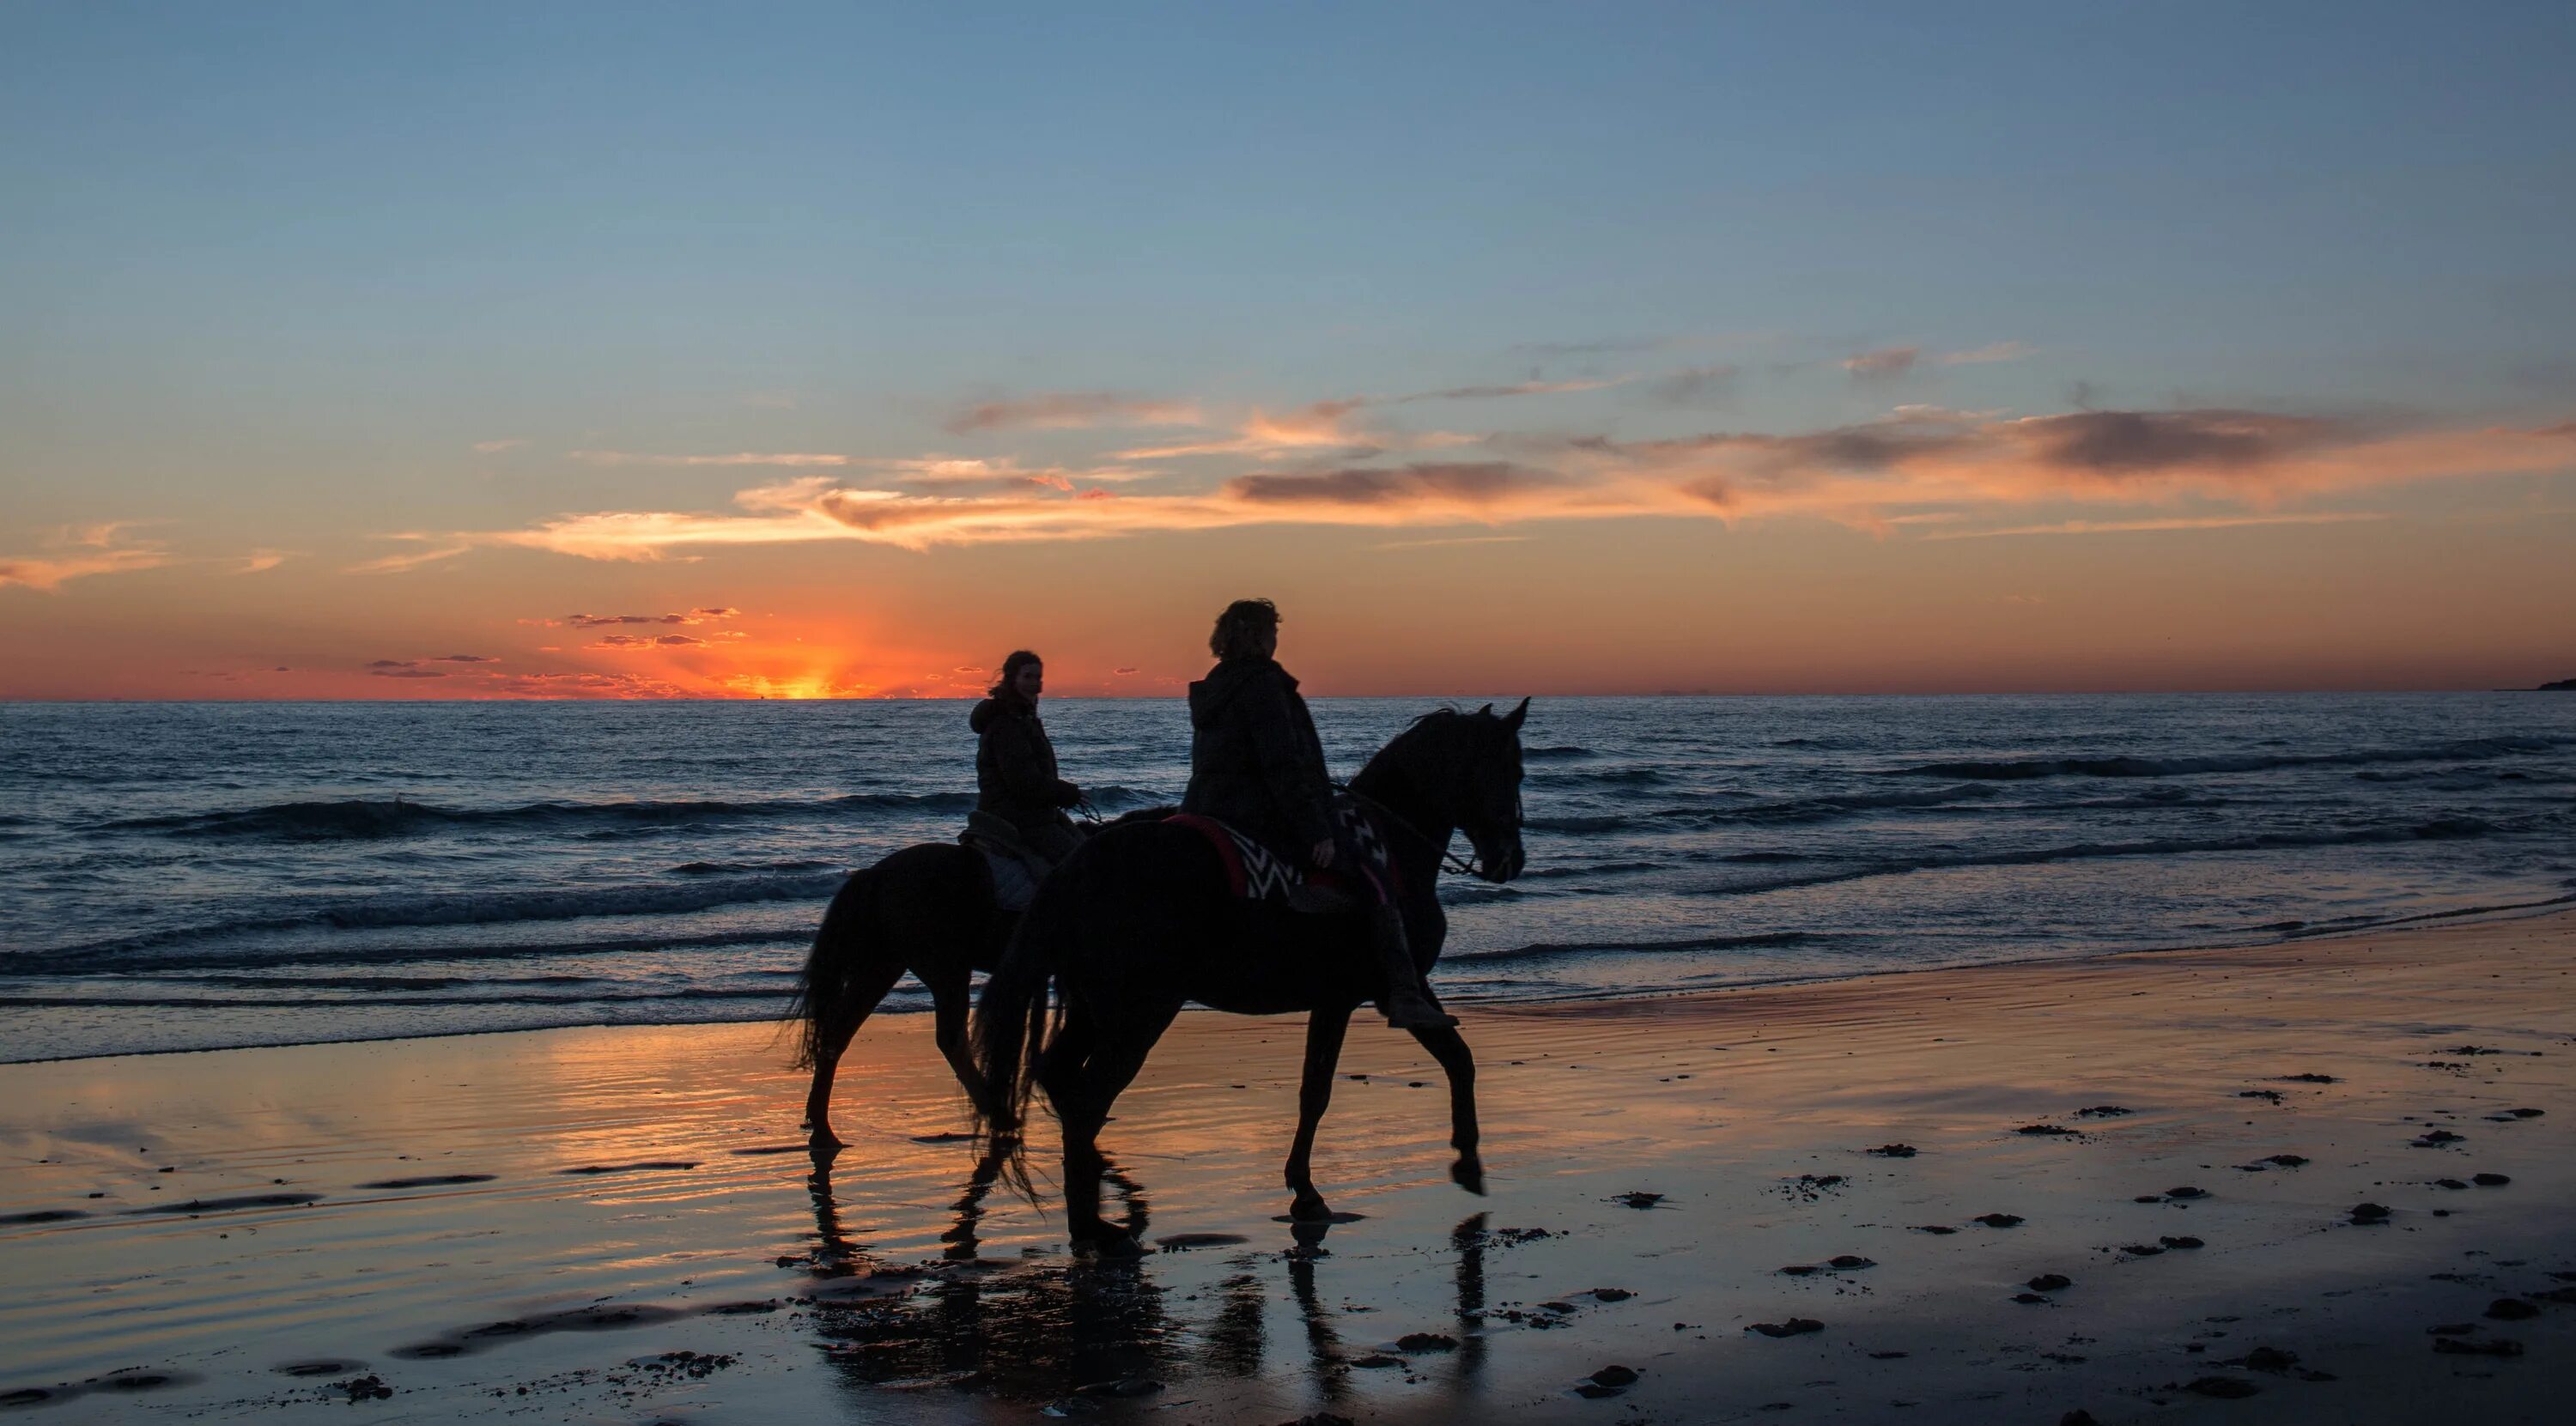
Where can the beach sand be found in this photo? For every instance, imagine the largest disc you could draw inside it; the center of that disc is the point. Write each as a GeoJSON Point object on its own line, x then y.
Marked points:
{"type": "Point", "coordinates": [621, 1225]}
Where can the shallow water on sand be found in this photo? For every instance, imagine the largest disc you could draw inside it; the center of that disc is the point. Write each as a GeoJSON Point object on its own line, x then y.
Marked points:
{"type": "Point", "coordinates": [190, 876]}
{"type": "Point", "coordinates": [620, 1221]}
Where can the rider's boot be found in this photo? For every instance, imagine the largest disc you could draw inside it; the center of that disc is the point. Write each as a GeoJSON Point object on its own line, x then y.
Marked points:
{"type": "Point", "coordinates": [1407, 1004]}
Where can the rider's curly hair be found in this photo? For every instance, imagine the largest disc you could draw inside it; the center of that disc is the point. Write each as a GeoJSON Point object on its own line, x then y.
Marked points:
{"type": "Point", "coordinates": [1019, 659]}
{"type": "Point", "coordinates": [1239, 628]}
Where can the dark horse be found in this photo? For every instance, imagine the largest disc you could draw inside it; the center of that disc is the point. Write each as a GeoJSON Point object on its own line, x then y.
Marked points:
{"type": "Point", "coordinates": [927, 909]}
{"type": "Point", "coordinates": [1139, 920]}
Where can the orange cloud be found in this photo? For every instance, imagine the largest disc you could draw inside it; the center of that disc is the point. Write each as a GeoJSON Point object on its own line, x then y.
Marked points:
{"type": "Point", "coordinates": [1917, 466]}
{"type": "Point", "coordinates": [87, 550]}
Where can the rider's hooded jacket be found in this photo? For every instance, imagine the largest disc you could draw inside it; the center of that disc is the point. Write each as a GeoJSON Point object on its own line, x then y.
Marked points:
{"type": "Point", "coordinates": [1015, 771]}
{"type": "Point", "coordinates": [1255, 762]}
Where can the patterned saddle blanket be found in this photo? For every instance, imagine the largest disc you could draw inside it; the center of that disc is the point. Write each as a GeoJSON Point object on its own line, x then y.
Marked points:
{"type": "Point", "coordinates": [1256, 873]}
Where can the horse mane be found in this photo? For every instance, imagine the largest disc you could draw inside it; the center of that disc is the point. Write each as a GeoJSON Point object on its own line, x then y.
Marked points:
{"type": "Point", "coordinates": [1383, 763]}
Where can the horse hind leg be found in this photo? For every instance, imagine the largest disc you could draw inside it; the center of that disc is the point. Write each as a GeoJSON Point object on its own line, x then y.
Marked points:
{"type": "Point", "coordinates": [839, 1010]}
{"type": "Point", "coordinates": [950, 999]}
{"type": "Point", "coordinates": [1114, 1058]}
{"type": "Point", "coordinates": [1325, 1027]}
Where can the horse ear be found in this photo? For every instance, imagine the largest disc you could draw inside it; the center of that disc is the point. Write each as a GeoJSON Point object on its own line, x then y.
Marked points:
{"type": "Point", "coordinates": [1513, 719]}
{"type": "Point", "coordinates": [1486, 711]}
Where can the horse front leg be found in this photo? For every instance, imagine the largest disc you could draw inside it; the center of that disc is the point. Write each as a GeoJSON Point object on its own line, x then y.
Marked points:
{"type": "Point", "coordinates": [1450, 1049]}
{"type": "Point", "coordinates": [1324, 1031]}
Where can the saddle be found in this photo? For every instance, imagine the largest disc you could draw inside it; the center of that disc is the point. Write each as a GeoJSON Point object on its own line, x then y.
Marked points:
{"type": "Point", "coordinates": [1256, 873]}
{"type": "Point", "coordinates": [1016, 869]}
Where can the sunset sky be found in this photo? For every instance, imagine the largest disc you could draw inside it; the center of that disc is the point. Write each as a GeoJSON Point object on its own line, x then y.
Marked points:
{"type": "Point", "coordinates": [360, 351]}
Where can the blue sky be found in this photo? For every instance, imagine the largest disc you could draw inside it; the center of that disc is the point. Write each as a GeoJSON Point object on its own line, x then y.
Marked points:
{"type": "Point", "coordinates": [271, 271]}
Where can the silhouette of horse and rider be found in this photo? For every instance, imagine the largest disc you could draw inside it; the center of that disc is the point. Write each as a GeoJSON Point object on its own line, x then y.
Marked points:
{"type": "Point", "coordinates": [1268, 891]}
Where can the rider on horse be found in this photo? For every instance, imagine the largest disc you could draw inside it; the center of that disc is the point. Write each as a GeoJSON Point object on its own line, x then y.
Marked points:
{"type": "Point", "coordinates": [1257, 766]}
{"type": "Point", "coordinates": [1015, 770]}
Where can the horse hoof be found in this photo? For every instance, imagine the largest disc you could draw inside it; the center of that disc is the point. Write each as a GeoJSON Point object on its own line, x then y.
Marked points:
{"type": "Point", "coordinates": [1309, 1208]}
{"type": "Point", "coordinates": [824, 1141]}
{"type": "Point", "coordinates": [1469, 1174]}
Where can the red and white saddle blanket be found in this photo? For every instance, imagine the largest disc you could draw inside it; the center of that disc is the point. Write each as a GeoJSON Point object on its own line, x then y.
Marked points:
{"type": "Point", "coordinates": [1256, 873]}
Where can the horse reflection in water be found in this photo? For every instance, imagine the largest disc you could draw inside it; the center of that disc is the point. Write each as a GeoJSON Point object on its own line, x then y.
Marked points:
{"type": "Point", "coordinates": [1012, 1327]}
{"type": "Point", "coordinates": [1047, 1328]}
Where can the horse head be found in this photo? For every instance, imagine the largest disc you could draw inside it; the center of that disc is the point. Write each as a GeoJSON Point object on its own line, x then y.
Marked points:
{"type": "Point", "coordinates": [1489, 792]}
{"type": "Point", "coordinates": [1457, 771]}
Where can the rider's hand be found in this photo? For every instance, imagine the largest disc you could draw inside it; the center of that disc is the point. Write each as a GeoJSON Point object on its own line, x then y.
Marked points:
{"type": "Point", "coordinates": [1322, 855]}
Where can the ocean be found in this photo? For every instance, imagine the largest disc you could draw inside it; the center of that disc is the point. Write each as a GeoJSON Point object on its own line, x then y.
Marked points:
{"type": "Point", "coordinates": [198, 876]}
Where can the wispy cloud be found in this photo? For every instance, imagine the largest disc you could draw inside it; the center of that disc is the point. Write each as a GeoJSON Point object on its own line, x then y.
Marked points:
{"type": "Point", "coordinates": [1072, 410]}
{"type": "Point", "coordinates": [1329, 426]}
{"type": "Point", "coordinates": [261, 561]}
{"type": "Point", "coordinates": [1495, 393]}
{"type": "Point", "coordinates": [738, 458]}
{"type": "Point", "coordinates": [2173, 522]}
{"type": "Point", "coordinates": [1886, 363]}
{"type": "Point", "coordinates": [649, 641]}
{"type": "Point", "coordinates": [1470, 484]}
{"type": "Point", "coordinates": [494, 448]}
{"type": "Point", "coordinates": [79, 551]}
{"type": "Point", "coordinates": [1963, 472]}
{"type": "Point", "coordinates": [1695, 386]}
{"type": "Point", "coordinates": [430, 549]}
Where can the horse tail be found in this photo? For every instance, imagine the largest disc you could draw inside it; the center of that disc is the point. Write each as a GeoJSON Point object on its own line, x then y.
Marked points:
{"type": "Point", "coordinates": [1012, 1020]}
{"type": "Point", "coordinates": [831, 980]}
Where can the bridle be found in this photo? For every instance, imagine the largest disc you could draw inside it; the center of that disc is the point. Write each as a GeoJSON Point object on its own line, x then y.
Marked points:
{"type": "Point", "coordinates": [1449, 860]}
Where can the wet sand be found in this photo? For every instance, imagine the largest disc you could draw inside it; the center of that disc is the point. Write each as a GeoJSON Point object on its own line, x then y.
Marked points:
{"type": "Point", "coordinates": [2124, 1186]}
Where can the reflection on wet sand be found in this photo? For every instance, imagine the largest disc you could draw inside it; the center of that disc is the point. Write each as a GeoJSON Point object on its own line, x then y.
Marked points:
{"type": "Point", "coordinates": [1030, 1327]}
{"type": "Point", "coordinates": [1047, 1326]}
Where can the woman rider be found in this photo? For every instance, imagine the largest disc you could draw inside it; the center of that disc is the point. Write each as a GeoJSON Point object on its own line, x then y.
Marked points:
{"type": "Point", "coordinates": [1015, 772]}
{"type": "Point", "coordinates": [1257, 766]}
